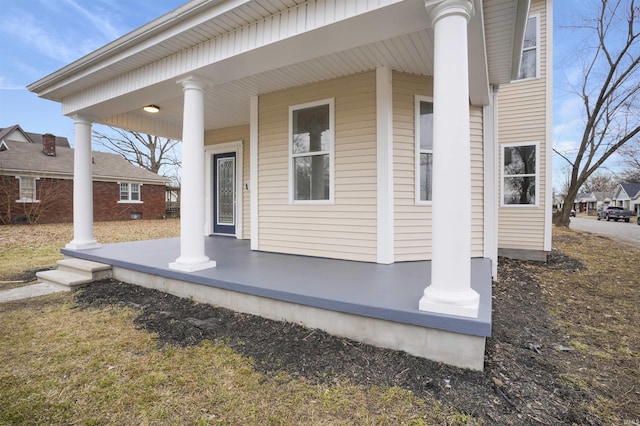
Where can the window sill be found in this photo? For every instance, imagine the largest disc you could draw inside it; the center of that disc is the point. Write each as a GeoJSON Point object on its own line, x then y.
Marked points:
{"type": "Point", "coordinates": [519, 206]}
{"type": "Point", "coordinates": [130, 202]}
{"type": "Point", "coordinates": [312, 203]}
{"type": "Point", "coordinates": [28, 201]}
{"type": "Point", "coordinates": [522, 80]}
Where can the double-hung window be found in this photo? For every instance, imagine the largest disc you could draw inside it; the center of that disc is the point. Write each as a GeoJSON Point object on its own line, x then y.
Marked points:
{"type": "Point", "coordinates": [530, 50]}
{"type": "Point", "coordinates": [27, 189]}
{"type": "Point", "coordinates": [424, 149]}
{"type": "Point", "coordinates": [129, 192]}
{"type": "Point", "coordinates": [311, 140]}
{"type": "Point", "coordinates": [519, 174]}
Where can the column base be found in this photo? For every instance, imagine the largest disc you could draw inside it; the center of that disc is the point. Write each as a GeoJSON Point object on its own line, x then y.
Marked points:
{"type": "Point", "coordinates": [83, 245]}
{"type": "Point", "coordinates": [459, 303]}
{"type": "Point", "coordinates": [192, 265]}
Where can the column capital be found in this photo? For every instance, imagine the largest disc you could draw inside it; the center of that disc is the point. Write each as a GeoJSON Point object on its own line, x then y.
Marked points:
{"type": "Point", "coordinates": [82, 119]}
{"type": "Point", "coordinates": [194, 82]}
{"type": "Point", "coordinates": [438, 9]}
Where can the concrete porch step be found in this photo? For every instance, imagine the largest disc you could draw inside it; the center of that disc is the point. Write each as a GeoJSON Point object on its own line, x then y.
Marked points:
{"type": "Point", "coordinates": [73, 273]}
{"type": "Point", "coordinates": [94, 270]}
{"type": "Point", "coordinates": [58, 277]}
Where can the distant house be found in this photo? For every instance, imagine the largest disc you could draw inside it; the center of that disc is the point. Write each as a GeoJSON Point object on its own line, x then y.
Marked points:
{"type": "Point", "coordinates": [590, 202]}
{"type": "Point", "coordinates": [603, 198]}
{"type": "Point", "coordinates": [627, 195]}
{"type": "Point", "coordinates": [585, 202]}
{"type": "Point", "coordinates": [36, 182]}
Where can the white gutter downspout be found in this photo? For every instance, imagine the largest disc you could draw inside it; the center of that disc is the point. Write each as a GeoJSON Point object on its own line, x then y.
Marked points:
{"type": "Point", "coordinates": [490, 136]}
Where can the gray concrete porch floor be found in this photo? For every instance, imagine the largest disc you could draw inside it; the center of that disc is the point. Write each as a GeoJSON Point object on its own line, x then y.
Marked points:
{"type": "Point", "coordinates": [387, 292]}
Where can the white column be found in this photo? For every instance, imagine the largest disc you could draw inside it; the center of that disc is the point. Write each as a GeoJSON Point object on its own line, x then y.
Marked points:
{"type": "Point", "coordinates": [450, 290]}
{"type": "Point", "coordinates": [253, 170]}
{"type": "Point", "coordinates": [82, 188]}
{"type": "Point", "coordinates": [384, 111]}
{"type": "Point", "coordinates": [192, 256]}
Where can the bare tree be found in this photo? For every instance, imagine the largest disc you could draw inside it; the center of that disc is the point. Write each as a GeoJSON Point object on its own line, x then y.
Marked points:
{"type": "Point", "coordinates": [156, 154]}
{"type": "Point", "coordinates": [630, 154]}
{"type": "Point", "coordinates": [600, 182]}
{"type": "Point", "coordinates": [609, 91]}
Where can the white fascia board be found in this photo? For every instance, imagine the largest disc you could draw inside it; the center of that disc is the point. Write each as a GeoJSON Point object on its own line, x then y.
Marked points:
{"type": "Point", "coordinates": [129, 179]}
{"type": "Point", "coordinates": [34, 173]}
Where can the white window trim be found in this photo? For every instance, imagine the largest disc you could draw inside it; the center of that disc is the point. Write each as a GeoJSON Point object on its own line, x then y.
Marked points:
{"type": "Point", "coordinates": [332, 133]}
{"type": "Point", "coordinates": [417, 150]}
{"type": "Point", "coordinates": [130, 201]}
{"type": "Point", "coordinates": [35, 190]}
{"type": "Point", "coordinates": [538, 47]}
{"type": "Point", "coordinates": [503, 176]}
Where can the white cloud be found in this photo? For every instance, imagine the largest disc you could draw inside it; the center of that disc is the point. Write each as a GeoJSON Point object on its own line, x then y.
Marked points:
{"type": "Point", "coordinates": [7, 84]}
{"type": "Point", "coordinates": [34, 34]}
{"type": "Point", "coordinates": [98, 20]}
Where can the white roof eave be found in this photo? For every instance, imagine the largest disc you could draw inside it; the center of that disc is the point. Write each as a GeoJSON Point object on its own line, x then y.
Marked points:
{"type": "Point", "coordinates": [154, 32]}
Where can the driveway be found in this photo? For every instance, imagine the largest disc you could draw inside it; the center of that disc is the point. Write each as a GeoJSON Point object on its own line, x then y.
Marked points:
{"type": "Point", "coordinates": [619, 231]}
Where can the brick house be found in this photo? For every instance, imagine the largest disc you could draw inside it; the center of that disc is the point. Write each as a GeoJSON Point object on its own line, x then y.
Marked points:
{"type": "Point", "coordinates": [36, 182]}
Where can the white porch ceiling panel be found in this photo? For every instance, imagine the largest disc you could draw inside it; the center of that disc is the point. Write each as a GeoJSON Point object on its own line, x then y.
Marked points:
{"type": "Point", "coordinates": [227, 104]}
{"type": "Point", "coordinates": [250, 47]}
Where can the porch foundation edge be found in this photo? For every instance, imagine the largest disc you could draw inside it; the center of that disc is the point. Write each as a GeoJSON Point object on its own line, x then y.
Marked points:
{"type": "Point", "coordinates": [457, 349]}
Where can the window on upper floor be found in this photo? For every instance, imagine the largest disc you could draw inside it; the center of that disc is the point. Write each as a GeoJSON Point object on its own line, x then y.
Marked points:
{"type": "Point", "coordinates": [311, 140]}
{"type": "Point", "coordinates": [529, 64]}
{"type": "Point", "coordinates": [520, 174]}
{"type": "Point", "coordinates": [424, 149]}
{"type": "Point", "coordinates": [130, 192]}
{"type": "Point", "coordinates": [27, 189]}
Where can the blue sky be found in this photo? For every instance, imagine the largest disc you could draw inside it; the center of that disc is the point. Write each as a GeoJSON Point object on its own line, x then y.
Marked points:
{"type": "Point", "coordinates": [38, 37]}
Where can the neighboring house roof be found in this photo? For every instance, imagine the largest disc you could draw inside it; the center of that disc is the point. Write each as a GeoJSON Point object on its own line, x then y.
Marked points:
{"type": "Point", "coordinates": [585, 197]}
{"type": "Point", "coordinates": [8, 133]}
{"type": "Point", "coordinates": [23, 158]}
{"type": "Point", "coordinates": [603, 195]}
{"type": "Point", "coordinates": [631, 190]}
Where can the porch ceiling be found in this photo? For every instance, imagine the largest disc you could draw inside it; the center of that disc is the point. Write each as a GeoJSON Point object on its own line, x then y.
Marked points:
{"type": "Point", "coordinates": [394, 33]}
{"type": "Point", "coordinates": [227, 103]}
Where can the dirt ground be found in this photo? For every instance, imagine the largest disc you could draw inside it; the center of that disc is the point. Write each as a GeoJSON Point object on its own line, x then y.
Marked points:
{"type": "Point", "coordinates": [525, 357]}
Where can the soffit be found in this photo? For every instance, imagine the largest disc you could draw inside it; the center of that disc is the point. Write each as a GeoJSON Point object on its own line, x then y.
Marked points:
{"type": "Point", "coordinates": [227, 101]}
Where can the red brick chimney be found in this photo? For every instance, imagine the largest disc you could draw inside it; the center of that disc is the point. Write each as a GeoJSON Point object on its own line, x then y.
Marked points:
{"type": "Point", "coordinates": [49, 144]}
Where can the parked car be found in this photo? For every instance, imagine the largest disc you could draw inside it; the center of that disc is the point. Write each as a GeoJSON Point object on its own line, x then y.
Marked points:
{"type": "Point", "coordinates": [615, 213]}
{"type": "Point", "coordinates": [638, 218]}
{"type": "Point", "coordinates": [573, 213]}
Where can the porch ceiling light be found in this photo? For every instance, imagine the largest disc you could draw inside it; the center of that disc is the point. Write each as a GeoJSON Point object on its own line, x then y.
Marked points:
{"type": "Point", "coordinates": [151, 108]}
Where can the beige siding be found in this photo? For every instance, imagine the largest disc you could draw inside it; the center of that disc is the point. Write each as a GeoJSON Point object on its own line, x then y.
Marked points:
{"type": "Point", "coordinates": [522, 118]}
{"type": "Point", "coordinates": [347, 228]}
{"type": "Point", "coordinates": [234, 134]}
{"type": "Point", "coordinates": [413, 222]}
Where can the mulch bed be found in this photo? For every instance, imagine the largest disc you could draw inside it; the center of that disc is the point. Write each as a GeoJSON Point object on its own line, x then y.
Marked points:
{"type": "Point", "coordinates": [523, 362]}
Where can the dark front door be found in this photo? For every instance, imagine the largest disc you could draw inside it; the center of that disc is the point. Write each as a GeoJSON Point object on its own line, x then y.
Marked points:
{"type": "Point", "coordinates": [224, 193]}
